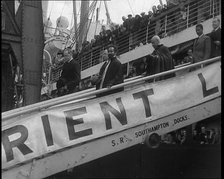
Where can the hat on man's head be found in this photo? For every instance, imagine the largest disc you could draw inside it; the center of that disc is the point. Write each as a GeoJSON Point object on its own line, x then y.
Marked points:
{"type": "Point", "coordinates": [143, 13]}
{"type": "Point", "coordinates": [129, 15]}
{"type": "Point", "coordinates": [150, 12]}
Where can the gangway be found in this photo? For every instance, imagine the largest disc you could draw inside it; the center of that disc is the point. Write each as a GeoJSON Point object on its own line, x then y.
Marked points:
{"type": "Point", "coordinates": [51, 136]}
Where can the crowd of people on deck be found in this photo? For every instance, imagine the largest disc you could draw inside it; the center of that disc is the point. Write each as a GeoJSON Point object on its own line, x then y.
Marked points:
{"type": "Point", "coordinates": [130, 27]}
{"type": "Point", "coordinates": [160, 60]}
{"type": "Point", "coordinates": [204, 47]}
{"type": "Point", "coordinates": [134, 30]}
{"type": "Point", "coordinates": [199, 135]}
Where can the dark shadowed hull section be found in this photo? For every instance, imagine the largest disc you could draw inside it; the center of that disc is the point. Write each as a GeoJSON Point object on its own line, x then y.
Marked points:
{"type": "Point", "coordinates": [168, 161]}
{"type": "Point", "coordinates": [189, 160]}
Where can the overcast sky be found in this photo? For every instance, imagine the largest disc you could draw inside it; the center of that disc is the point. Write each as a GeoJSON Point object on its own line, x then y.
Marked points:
{"type": "Point", "coordinates": [116, 8]}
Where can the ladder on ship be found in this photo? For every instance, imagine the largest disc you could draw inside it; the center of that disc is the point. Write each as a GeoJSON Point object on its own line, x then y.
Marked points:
{"type": "Point", "coordinates": [121, 129]}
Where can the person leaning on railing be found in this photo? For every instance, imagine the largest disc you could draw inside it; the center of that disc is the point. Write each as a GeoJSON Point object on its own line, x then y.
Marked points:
{"type": "Point", "coordinates": [203, 136]}
{"type": "Point", "coordinates": [58, 60]}
{"type": "Point", "coordinates": [144, 20]}
{"type": "Point", "coordinates": [143, 28]}
{"type": "Point", "coordinates": [189, 57]}
{"type": "Point", "coordinates": [110, 73]}
{"type": "Point", "coordinates": [103, 34]}
{"type": "Point", "coordinates": [70, 76]}
{"type": "Point", "coordinates": [135, 30]}
{"type": "Point", "coordinates": [150, 17]}
{"type": "Point", "coordinates": [115, 34]}
{"type": "Point", "coordinates": [155, 12]}
{"type": "Point", "coordinates": [125, 22]}
{"type": "Point", "coordinates": [132, 72]}
{"type": "Point", "coordinates": [122, 40]}
{"type": "Point", "coordinates": [129, 23]}
{"type": "Point", "coordinates": [202, 45]}
{"type": "Point", "coordinates": [159, 9]}
{"type": "Point", "coordinates": [182, 20]}
{"type": "Point", "coordinates": [140, 66]}
{"type": "Point", "coordinates": [160, 60]}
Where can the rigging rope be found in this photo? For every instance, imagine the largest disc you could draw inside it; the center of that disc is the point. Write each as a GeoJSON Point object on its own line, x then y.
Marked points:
{"type": "Point", "coordinates": [130, 8]}
{"type": "Point", "coordinates": [94, 7]}
{"type": "Point", "coordinates": [70, 32]}
{"type": "Point", "coordinates": [74, 38]}
{"type": "Point", "coordinates": [107, 13]}
{"type": "Point", "coordinates": [49, 18]}
{"type": "Point", "coordinates": [97, 19]}
{"type": "Point", "coordinates": [99, 10]}
{"type": "Point", "coordinates": [93, 4]}
{"type": "Point", "coordinates": [75, 30]}
{"type": "Point", "coordinates": [59, 19]}
{"type": "Point", "coordinates": [143, 5]}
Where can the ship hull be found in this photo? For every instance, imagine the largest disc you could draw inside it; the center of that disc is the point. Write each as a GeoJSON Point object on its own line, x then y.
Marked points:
{"type": "Point", "coordinates": [121, 146]}
{"type": "Point", "coordinates": [167, 161]}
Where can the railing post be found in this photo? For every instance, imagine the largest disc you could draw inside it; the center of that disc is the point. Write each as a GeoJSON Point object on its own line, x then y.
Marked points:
{"type": "Point", "coordinates": [187, 15]}
{"type": "Point", "coordinates": [147, 32]}
{"type": "Point", "coordinates": [81, 63]}
{"type": "Point", "coordinates": [91, 58]}
{"type": "Point", "coordinates": [165, 23]}
{"type": "Point", "coordinates": [130, 40]}
{"type": "Point", "coordinates": [210, 7]}
{"type": "Point", "coordinates": [128, 65]}
{"type": "Point", "coordinates": [49, 76]}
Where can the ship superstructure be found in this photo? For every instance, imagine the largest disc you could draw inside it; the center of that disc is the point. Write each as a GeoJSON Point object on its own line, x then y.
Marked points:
{"type": "Point", "coordinates": [173, 28]}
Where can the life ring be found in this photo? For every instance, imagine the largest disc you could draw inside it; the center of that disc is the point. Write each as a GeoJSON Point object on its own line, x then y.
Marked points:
{"type": "Point", "coordinates": [153, 140]}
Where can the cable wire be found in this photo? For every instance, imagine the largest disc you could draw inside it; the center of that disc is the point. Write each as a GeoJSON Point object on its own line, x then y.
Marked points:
{"type": "Point", "coordinates": [96, 21]}
{"type": "Point", "coordinates": [49, 18]}
{"type": "Point", "coordinates": [131, 8]}
{"type": "Point", "coordinates": [59, 19]}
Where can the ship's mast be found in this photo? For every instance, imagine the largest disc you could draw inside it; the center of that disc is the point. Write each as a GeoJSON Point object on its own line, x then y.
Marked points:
{"type": "Point", "coordinates": [75, 16]}
{"type": "Point", "coordinates": [107, 13]}
{"type": "Point", "coordinates": [83, 22]}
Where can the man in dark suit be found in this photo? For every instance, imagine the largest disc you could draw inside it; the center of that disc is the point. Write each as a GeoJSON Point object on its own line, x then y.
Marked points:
{"type": "Point", "coordinates": [70, 76]}
{"type": "Point", "coordinates": [110, 73]}
{"type": "Point", "coordinates": [160, 60]}
{"type": "Point", "coordinates": [216, 38]}
{"type": "Point", "coordinates": [202, 45]}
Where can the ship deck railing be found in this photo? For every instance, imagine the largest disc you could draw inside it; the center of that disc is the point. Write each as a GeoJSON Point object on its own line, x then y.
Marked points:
{"type": "Point", "coordinates": [88, 94]}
